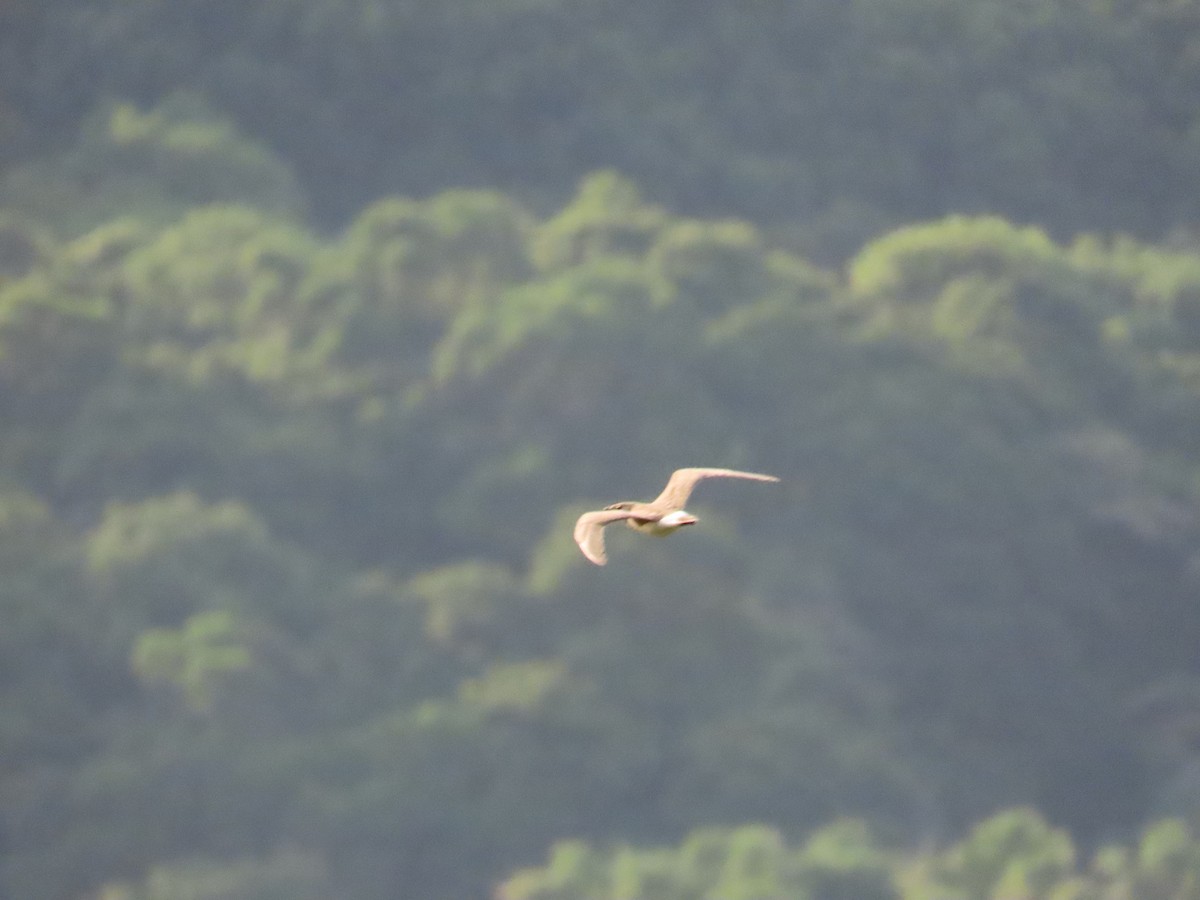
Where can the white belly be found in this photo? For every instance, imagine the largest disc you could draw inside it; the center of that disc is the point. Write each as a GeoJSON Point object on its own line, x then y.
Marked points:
{"type": "Point", "coordinates": [655, 528]}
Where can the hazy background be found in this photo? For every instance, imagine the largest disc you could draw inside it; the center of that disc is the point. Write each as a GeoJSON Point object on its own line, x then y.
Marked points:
{"type": "Point", "coordinates": [321, 321]}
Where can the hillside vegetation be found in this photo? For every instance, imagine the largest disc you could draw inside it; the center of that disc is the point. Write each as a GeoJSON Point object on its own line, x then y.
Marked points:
{"type": "Point", "coordinates": [320, 322]}
{"type": "Point", "coordinates": [828, 120]}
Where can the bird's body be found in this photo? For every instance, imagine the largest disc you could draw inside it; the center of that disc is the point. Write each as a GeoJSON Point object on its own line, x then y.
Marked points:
{"type": "Point", "coordinates": [661, 516]}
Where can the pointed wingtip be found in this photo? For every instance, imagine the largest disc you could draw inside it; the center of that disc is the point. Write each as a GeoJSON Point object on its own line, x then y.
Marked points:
{"type": "Point", "coordinates": [589, 536]}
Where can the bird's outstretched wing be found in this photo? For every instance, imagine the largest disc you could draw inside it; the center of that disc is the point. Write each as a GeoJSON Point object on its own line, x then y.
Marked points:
{"type": "Point", "coordinates": [682, 481]}
{"type": "Point", "coordinates": [589, 531]}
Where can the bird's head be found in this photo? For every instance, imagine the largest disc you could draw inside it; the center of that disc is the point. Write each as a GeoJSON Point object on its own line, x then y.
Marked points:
{"type": "Point", "coordinates": [678, 519]}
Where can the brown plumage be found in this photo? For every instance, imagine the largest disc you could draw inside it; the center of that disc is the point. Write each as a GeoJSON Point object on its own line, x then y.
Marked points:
{"type": "Point", "coordinates": [661, 516]}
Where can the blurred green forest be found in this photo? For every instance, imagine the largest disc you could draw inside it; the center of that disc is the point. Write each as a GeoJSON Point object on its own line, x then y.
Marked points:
{"type": "Point", "coordinates": [321, 321]}
{"type": "Point", "coordinates": [826, 121]}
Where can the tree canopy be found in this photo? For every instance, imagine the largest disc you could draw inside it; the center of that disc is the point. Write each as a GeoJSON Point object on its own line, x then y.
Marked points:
{"type": "Point", "coordinates": [828, 120]}
{"type": "Point", "coordinates": [291, 583]}
{"type": "Point", "coordinates": [321, 322]}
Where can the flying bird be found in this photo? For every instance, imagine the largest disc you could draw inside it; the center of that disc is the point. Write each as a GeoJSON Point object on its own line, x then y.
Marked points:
{"type": "Point", "coordinates": [661, 516]}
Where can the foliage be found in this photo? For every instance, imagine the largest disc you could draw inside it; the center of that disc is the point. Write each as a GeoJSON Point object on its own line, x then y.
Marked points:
{"type": "Point", "coordinates": [287, 874]}
{"type": "Point", "coordinates": [745, 863]}
{"type": "Point", "coordinates": [153, 165]}
{"type": "Point", "coordinates": [832, 120]}
{"type": "Point", "coordinates": [309, 359]}
{"type": "Point", "coordinates": [192, 656]}
{"type": "Point", "coordinates": [1013, 854]}
{"type": "Point", "coordinates": [291, 604]}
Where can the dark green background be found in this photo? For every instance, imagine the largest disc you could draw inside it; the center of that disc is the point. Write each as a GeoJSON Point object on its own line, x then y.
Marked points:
{"type": "Point", "coordinates": [321, 321]}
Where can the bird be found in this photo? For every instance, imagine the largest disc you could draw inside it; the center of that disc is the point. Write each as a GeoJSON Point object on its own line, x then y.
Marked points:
{"type": "Point", "coordinates": [661, 516]}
